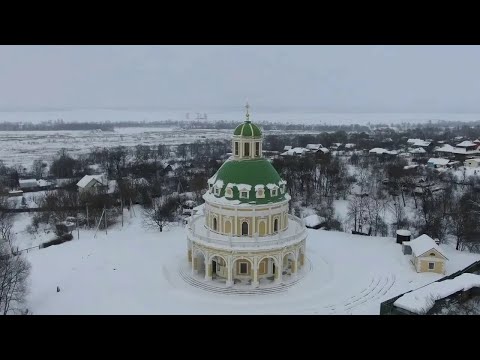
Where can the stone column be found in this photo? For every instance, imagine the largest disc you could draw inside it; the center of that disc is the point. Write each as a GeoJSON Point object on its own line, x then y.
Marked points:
{"type": "Point", "coordinates": [194, 265]}
{"type": "Point", "coordinates": [302, 256]}
{"type": "Point", "coordinates": [229, 282]}
{"type": "Point", "coordinates": [189, 255]}
{"type": "Point", "coordinates": [255, 282]}
{"type": "Point", "coordinates": [294, 268]}
{"type": "Point", "coordinates": [279, 271]}
{"type": "Point", "coordinates": [208, 271]}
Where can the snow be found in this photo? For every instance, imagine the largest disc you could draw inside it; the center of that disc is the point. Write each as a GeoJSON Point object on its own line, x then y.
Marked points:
{"type": "Point", "coordinates": [212, 179]}
{"type": "Point", "coordinates": [313, 146]}
{"type": "Point", "coordinates": [287, 147]}
{"type": "Point", "coordinates": [136, 271]}
{"type": "Point", "coordinates": [380, 151]}
{"type": "Point", "coordinates": [220, 200]}
{"type": "Point", "coordinates": [438, 161]}
{"type": "Point", "coordinates": [272, 186]}
{"type": "Point", "coordinates": [282, 182]}
{"type": "Point", "coordinates": [404, 232]}
{"type": "Point", "coordinates": [422, 244]}
{"type": "Point", "coordinates": [218, 183]}
{"type": "Point", "coordinates": [349, 146]}
{"type": "Point", "coordinates": [466, 143]}
{"type": "Point", "coordinates": [407, 167]}
{"type": "Point", "coordinates": [258, 187]}
{"type": "Point", "coordinates": [418, 142]}
{"type": "Point", "coordinates": [313, 220]}
{"type": "Point", "coordinates": [87, 178]}
{"type": "Point", "coordinates": [244, 187]}
{"type": "Point", "coordinates": [423, 299]}
{"type": "Point", "coordinates": [417, 151]}
{"type": "Point", "coordinates": [456, 150]}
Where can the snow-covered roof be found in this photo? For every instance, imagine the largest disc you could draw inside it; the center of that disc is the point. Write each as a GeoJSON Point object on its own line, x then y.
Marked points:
{"type": "Point", "coordinates": [244, 187]}
{"type": "Point", "coordinates": [423, 244]}
{"type": "Point", "coordinates": [422, 299]}
{"type": "Point", "coordinates": [324, 150]}
{"type": "Point", "coordinates": [349, 146]}
{"type": "Point", "coordinates": [212, 179]}
{"type": "Point", "coordinates": [418, 150]}
{"type": "Point", "coordinates": [403, 232]}
{"type": "Point", "coordinates": [383, 151]}
{"type": "Point", "coordinates": [287, 147]}
{"type": "Point", "coordinates": [418, 142]}
{"type": "Point", "coordinates": [474, 159]}
{"type": "Point", "coordinates": [313, 220]}
{"type": "Point", "coordinates": [406, 167]}
{"type": "Point", "coordinates": [23, 182]}
{"type": "Point", "coordinates": [438, 161]}
{"type": "Point", "coordinates": [456, 150]}
{"type": "Point", "coordinates": [314, 146]}
{"type": "Point", "coordinates": [88, 178]}
{"type": "Point", "coordinates": [218, 184]}
{"type": "Point", "coordinates": [295, 151]}
{"type": "Point", "coordinates": [466, 143]}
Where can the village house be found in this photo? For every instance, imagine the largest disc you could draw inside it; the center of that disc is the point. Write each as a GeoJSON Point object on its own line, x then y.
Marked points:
{"type": "Point", "coordinates": [426, 255]}
{"type": "Point", "coordinates": [467, 145]}
{"type": "Point", "coordinates": [93, 184]}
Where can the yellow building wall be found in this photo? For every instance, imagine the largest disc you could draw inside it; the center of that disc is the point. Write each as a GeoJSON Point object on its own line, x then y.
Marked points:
{"type": "Point", "coordinates": [263, 265]}
{"type": "Point", "coordinates": [439, 265]}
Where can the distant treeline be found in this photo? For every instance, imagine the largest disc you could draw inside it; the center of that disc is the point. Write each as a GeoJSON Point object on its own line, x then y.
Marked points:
{"type": "Point", "coordinates": [55, 126]}
{"type": "Point", "coordinates": [222, 124]}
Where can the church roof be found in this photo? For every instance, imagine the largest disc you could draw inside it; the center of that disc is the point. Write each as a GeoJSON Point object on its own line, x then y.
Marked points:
{"type": "Point", "coordinates": [247, 129]}
{"type": "Point", "coordinates": [248, 175]}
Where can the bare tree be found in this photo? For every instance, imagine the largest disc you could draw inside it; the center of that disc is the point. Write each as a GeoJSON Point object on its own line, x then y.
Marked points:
{"type": "Point", "coordinates": [398, 212]}
{"type": "Point", "coordinates": [160, 214]}
{"type": "Point", "coordinates": [14, 271]}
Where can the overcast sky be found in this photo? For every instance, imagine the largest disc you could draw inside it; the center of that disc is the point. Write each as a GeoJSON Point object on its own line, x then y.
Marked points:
{"type": "Point", "coordinates": [322, 78]}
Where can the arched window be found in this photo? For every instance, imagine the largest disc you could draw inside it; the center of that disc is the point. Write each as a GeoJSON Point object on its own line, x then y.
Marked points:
{"type": "Point", "coordinates": [246, 151]}
{"type": "Point", "coordinates": [257, 149]}
{"type": "Point", "coordinates": [244, 228]}
{"type": "Point", "coordinates": [432, 254]}
{"type": "Point", "coordinates": [275, 225]}
{"type": "Point", "coordinates": [236, 148]}
{"type": "Point", "coordinates": [215, 223]}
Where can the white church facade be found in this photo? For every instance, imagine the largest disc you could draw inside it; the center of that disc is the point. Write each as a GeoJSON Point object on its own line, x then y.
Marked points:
{"type": "Point", "coordinates": [246, 235]}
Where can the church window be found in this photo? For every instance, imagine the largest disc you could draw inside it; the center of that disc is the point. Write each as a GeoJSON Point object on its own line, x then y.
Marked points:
{"type": "Point", "coordinates": [246, 151]}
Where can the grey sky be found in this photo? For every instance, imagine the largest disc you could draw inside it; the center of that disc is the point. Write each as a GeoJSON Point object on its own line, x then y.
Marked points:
{"type": "Point", "coordinates": [322, 78]}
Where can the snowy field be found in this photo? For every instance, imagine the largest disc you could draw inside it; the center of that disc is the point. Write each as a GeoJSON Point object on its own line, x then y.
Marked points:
{"type": "Point", "coordinates": [134, 271]}
{"type": "Point", "coordinates": [23, 147]}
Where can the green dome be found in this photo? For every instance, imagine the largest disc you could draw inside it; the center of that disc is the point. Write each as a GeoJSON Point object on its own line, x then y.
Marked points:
{"type": "Point", "coordinates": [247, 129]}
{"type": "Point", "coordinates": [252, 173]}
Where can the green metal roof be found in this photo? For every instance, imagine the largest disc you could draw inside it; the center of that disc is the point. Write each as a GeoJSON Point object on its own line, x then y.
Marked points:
{"type": "Point", "coordinates": [251, 172]}
{"type": "Point", "coordinates": [247, 129]}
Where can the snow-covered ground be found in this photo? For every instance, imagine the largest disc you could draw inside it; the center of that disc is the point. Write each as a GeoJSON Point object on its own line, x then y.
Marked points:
{"type": "Point", "coordinates": [136, 271]}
